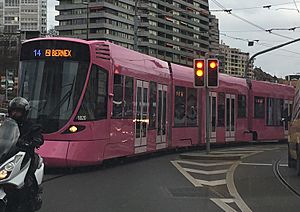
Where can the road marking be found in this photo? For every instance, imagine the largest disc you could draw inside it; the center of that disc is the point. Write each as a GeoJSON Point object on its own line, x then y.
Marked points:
{"type": "Point", "coordinates": [222, 204]}
{"type": "Point", "coordinates": [212, 183]}
{"type": "Point", "coordinates": [206, 172]}
{"type": "Point", "coordinates": [236, 152]}
{"type": "Point", "coordinates": [254, 149]}
{"type": "Point", "coordinates": [187, 175]}
{"type": "Point", "coordinates": [204, 164]}
{"type": "Point", "coordinates": [233, 191]}
{"type": "Point", "coordinates": [263, 164]}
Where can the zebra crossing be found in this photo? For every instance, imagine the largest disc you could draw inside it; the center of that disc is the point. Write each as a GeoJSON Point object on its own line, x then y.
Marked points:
{"type": "Point", "coordinates": [215, 171]}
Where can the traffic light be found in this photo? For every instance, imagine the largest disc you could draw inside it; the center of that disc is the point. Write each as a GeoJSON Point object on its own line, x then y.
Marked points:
{"type": "Point", "coordinates": [199, 72]}
{"type": "Point", "coordinates": [212, 73]}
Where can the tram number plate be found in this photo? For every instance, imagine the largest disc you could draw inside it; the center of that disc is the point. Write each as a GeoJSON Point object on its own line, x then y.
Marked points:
{"type": "Point", "coordinates": [81, 118]}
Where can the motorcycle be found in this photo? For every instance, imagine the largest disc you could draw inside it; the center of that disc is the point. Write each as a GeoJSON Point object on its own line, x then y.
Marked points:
{"type": "Point", "coordinates": [17, 190]}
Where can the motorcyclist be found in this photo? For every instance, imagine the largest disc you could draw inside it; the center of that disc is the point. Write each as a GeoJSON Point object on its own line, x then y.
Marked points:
{"type": "Point", "coordinates": [30, 138]}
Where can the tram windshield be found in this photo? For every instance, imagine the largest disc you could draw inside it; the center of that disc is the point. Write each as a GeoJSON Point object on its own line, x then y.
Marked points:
{"type": "Point", "coordinates": [52, 85]}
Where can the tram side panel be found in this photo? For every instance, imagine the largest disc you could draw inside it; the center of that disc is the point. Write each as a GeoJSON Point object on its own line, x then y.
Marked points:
{"type": "Point", "coordinates": [269, 104]}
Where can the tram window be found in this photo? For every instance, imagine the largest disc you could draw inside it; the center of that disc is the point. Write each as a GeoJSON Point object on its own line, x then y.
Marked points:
{"type": "Point", "coordinates": [191, 107]}
{"type": "Point", "coordinates": [179, 113]}
{"type": "Point", "coordinates": [94, 105]}
{"type": "Point", "coordinates": [274, 111]}
{"type": "Point", "coordinates": [241, 106]}
{"type": "Point", "coordinates": [123, 96]}
{"type": "Point", "coordinates": [152, 105]}
{"type": "Point", "coordinates": [221, 109]}
{"type": "Point", "coordinates": [259, 107]}
{"type": "Point", "coordinates": [118, 96]}
{"type": "Point", "coordinates": [128, 97]}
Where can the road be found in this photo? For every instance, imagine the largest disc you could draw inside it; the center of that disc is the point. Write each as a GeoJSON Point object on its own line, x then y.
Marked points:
{"type": "Point", "coordinates": [238, 179]}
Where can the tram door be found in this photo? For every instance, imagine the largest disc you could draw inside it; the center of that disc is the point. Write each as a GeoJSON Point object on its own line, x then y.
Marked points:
{"type": "Point", "coordinates": [287, 110]}
{"type": "Point", "coordinates": [230, 117]}
{"type": "Point", "coordinates": [161, 117]}
{"type": "Point", "coordinates": [142, 117]}
{"type": "Point", "coordinates": [213, 115]}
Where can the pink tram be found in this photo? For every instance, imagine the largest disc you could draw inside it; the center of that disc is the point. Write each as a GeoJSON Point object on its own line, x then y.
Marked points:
{"type": "Point", "coordinates": [96, 100]}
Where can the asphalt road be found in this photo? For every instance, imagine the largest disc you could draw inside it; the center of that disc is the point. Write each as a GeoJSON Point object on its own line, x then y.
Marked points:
{"type": "Point", "coordinates": [170, 183]}
{"type": "Point", "coordinates": [259, 186]}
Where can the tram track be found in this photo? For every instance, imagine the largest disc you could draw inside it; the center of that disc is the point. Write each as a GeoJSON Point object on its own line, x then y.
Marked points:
{"type": "Point", "coordinates": [278, 175]}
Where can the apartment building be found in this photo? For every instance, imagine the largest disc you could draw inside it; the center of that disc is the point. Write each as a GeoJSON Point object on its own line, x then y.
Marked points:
{"type": "Point", "coordinates": [234, 61]}
{"type": "Point", "coordinates": [172, 30]}
{"type": "Point", "coordinates": [23, 15]}
{"type": "Point", "coordinates": [214, 35]}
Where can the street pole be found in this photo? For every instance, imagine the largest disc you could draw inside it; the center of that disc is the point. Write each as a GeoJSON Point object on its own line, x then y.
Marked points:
{"type": "Point", "coordinates": [135, 26]}
{"type": "Point", "coordinates": [207, 119]}
{"type": "Point", "coordinates": [199, 115]}
{"type": "Point", "coordinates": [264, 51]}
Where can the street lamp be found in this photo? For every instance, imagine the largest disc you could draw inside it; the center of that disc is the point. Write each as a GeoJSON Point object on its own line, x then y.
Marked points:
{"type": "Point", "coordinates": [87, 19]}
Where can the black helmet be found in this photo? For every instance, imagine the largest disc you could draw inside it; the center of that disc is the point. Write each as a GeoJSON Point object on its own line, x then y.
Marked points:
{"type": "Point", "coordinates": [18, 109]}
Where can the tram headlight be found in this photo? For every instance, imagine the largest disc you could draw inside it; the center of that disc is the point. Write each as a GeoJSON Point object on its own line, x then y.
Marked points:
{"type": "Point", "coordinates": [73, 129]}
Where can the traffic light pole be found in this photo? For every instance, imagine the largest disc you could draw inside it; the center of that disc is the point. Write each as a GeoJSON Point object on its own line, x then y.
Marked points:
{"type": "Point", "coordinates": [207, 119]}
{"type": "Point", "coordinates": [199, 114]}
{"type": "Point", "coordinates": [205, 76]}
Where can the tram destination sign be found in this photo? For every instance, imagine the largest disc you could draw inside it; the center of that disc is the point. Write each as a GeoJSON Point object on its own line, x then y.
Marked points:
{"type": "Point", "coordinates": [55, 50]}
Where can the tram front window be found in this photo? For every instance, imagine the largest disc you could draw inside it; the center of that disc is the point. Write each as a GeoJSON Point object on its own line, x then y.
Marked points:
{"type": "Point", "coordinates": [53, 88]}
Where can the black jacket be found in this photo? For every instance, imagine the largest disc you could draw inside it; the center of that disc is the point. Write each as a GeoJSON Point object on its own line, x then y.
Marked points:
{"type": "Point", "coordinates": [31, 134]}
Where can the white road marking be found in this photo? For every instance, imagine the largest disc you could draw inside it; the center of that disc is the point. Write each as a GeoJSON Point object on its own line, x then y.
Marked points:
{"type": "Point", "coordinates": [222, 204]}
{"type": "Point", "coordinates": [233, 191]}
{"type": "Point", "coordinates": [262, 164]}
{"type": "Point", "coordinates": [229, 181]}
{"type": "Point", "coordinates": [212, 183]}
{"type": "Point", "coordinates": [197, 171]}
{"type": "Point", "coordinates": [236, 152]}
{"type": "Point", "coordinates": [204, 164]}
{"type": "Point", "coordinates": [187, 175]}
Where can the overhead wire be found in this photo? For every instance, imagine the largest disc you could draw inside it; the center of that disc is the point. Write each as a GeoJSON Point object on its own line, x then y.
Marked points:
{"type": "Point", "coordinates": [257, 42]}
{"type": "Point", "coordinates": [249, 22]}
{"type": "Point", "coordinates": [296, 6]}
{"type": "Point", "coordinates": [258, 7]}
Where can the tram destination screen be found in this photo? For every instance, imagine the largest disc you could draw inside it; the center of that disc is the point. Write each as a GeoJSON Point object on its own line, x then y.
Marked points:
{"type": "Point", "coordinates": [55, 50]}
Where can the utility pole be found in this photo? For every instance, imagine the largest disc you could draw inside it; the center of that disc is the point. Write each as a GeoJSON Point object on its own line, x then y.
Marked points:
{"type": "Point", "coordinates": [135, 26]}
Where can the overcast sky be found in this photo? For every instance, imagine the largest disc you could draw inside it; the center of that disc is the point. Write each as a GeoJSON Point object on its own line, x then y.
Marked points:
{"type": "Point", "coordinates": [281, 15]}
